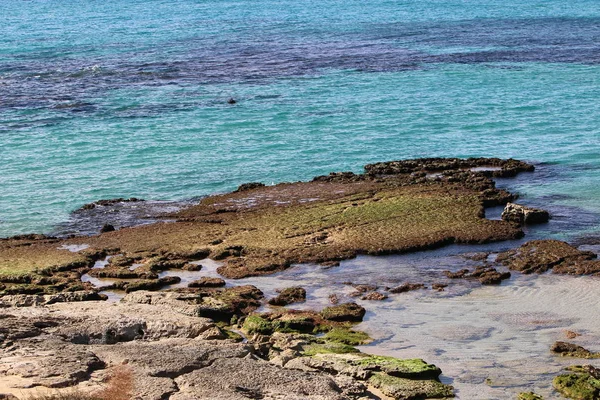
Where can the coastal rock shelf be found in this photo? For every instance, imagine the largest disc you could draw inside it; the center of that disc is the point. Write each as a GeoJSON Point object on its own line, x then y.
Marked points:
{"type": "Point", "coordinates": [201, 280]}
{"type": "Point", "coordinates": [393, 208]}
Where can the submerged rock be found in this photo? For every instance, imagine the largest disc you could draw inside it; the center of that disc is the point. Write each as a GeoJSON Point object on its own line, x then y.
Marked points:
{"type": "Point", "coordinates": [542, 255]}
{"type": "Point", "coordinates": [374, 296]}
{"type": "Point", "coordinates": [407, 287]}
{"type": "Point", "coordinates": [485, 275]}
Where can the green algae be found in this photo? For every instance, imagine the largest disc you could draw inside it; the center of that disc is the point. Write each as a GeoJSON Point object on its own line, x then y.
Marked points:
{"type": "Point", "coordinates": [578, 386]}
{"type": "Point", "coordinates": [529, 396]}
{"type": "Point", "coordinates": [414, 368]}
{"type": "Point", "coordinates": [302, 324]}
{"type": "Point", "coordinates": [347, 312]}
{"type": "Point", "coordinates": [254, 324]}
{"type": "Point", "coordinates": [347, 336]}
{"type": "Point", "coordinates": [403, 388]}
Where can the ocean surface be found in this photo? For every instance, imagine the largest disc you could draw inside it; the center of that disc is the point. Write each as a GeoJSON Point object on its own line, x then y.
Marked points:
{"type": "Point", "coordinates": [125, 98]}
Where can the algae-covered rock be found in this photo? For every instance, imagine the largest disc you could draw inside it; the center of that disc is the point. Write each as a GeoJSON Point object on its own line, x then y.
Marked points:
{"type": "Point", "coordinates": [267, 324]}
{"type": "Point", "coordinates": [572, 350]}
{"type": "Point", "coordinates": [579, 386]}
{"type": "Point", "coordinates": [402, 388]}
{"type": "Point", "coordinates": [347, 336]}
{"type": "Point", "coordinates": [347, 312]}
{"type": "Point", "coordinates": [289, 296]}
{"type": "Point", "coordinates": [414, 368]}
{"type": "Point", "coordinates": [529, 396]}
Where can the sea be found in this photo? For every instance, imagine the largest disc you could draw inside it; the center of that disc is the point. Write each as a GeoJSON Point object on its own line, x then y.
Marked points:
{"type": "Point", "coordinates": [118, 99]}
{"type": "Point", "coordinates": [129, 98]}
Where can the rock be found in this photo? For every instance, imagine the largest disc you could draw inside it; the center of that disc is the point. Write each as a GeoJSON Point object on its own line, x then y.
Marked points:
{"type": "Point", "coordinates": [218, 304]}
{"type": "Point", "coordinates": [439, 286]}
{"type": "Point", "coordinates": [529, 396]}
{"type": "Point", "coordinates": [107, 228]}
{"type": "Point", "coordinates": [249, 186]}
{"type": "Point", "coordinates": [374, 296]}
{"type": "Point", "coordinates": [236, 379]}
{"type": "Point", "coordinates": [22, 300]}
{"type": "Point", "coordinates": [524, 215]}
{"type": "Point", "coordinates": [402, 388]}
{"type": "Point", "coordinates": [407, 287]}
{"type": "Point", "coordinates": [206, 282]}
{"type": "Point", "coordinates": [192, 267]}
{"type": "Point", "coordinates": [364, 288]}
{"type": "Point", "coordinates": [333, 299]}
{"type": "Point", "coordinates": [289, 296]}
{"type": "Point", "coordinates": [542, 255]}
{"type": "Point", "coordinates": [154, 284]}
{"type": "Point", "coordinates": [571, 334]}
{"type": "Point", "coordinates": [51, 362]}
{"type": "Point", "coordinates": [572, 350]}
{"type": "Point", "coordinates": [457, 275]}
{"type": "Point", "coordinates": [347, 312]}
{"type": "Point", "coordinates": [580, 386]}
{"type": "Point", "coordinates": [489, 275]}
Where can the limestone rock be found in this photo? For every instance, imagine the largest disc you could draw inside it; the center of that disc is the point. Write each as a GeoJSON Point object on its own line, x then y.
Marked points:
{"type": "Point", "coordinates": [524, 215]}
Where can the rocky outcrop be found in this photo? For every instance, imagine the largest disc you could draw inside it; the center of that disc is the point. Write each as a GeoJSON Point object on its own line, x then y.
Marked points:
{"type": "Point", "coordinates": [485, 275]}
{"type": "Point", "coordinates": [218, 304]}
{"type": "Point", "coordinates": [407, 287]}
{"type": "Point", "coordinates": [524, 215]}
{"type": "Point", "coordinates": [572, 350]}
{"type": "Point", "coordinates": [207, 282]}
{"type": "Point", "coordinates": [347, 312]}
{"type": "Point", "coordinates": [582, 383]}
{"type": "Point", "coordinates": [542, 255]}
{"type": "Point", "coordinates": [24, 300]}
{"type": "Point", "coordinates": [180, 356]}
{"type": "Point", "coordinates": [289, 296]}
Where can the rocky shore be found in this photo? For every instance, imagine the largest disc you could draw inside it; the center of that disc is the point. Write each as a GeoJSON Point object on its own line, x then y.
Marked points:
{"type": "Point", "coordinates": [212, 341]}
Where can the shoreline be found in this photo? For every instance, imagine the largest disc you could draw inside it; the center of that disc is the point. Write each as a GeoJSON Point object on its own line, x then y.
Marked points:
{"type": "Point", "coordinates": [393, 208]}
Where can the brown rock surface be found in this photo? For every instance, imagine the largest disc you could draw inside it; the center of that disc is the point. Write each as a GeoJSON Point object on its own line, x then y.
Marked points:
{"type": "Point", "coordinates": [289, 296]}
{"type": "Point", "coordinates": [542, 255]}
{"type": "Point", "coordinates": [394, 207]}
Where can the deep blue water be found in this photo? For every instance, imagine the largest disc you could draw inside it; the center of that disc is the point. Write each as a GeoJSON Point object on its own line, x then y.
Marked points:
{"type": "Point", "coordinates": [129, 98]}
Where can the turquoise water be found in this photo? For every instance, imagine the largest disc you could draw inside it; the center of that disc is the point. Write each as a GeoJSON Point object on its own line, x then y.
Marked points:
{"type": "Point", "coordinates": [129, 98]}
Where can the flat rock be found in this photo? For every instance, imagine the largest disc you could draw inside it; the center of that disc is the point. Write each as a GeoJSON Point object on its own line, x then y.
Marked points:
{"type": "Point", "coordinates": [542, 255]}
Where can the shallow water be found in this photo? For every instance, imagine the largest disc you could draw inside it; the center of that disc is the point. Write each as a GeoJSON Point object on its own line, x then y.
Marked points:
{"type": "Point", "coordinates": [129, 98]}
{"type": "Point", "coordinates": [491, 342]}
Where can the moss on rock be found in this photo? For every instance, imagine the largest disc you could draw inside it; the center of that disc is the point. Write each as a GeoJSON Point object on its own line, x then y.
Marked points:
{"type": "Point", "coordinates": [409, 389]}
{"type": "Point", "coordinates": [347, 336]}
{"type": "Point", "coordinates": [579, 386]}
{"type": "Point", "coordinates": [529, 396]}
{"type": "Point", "coordinates": [347, 312]}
